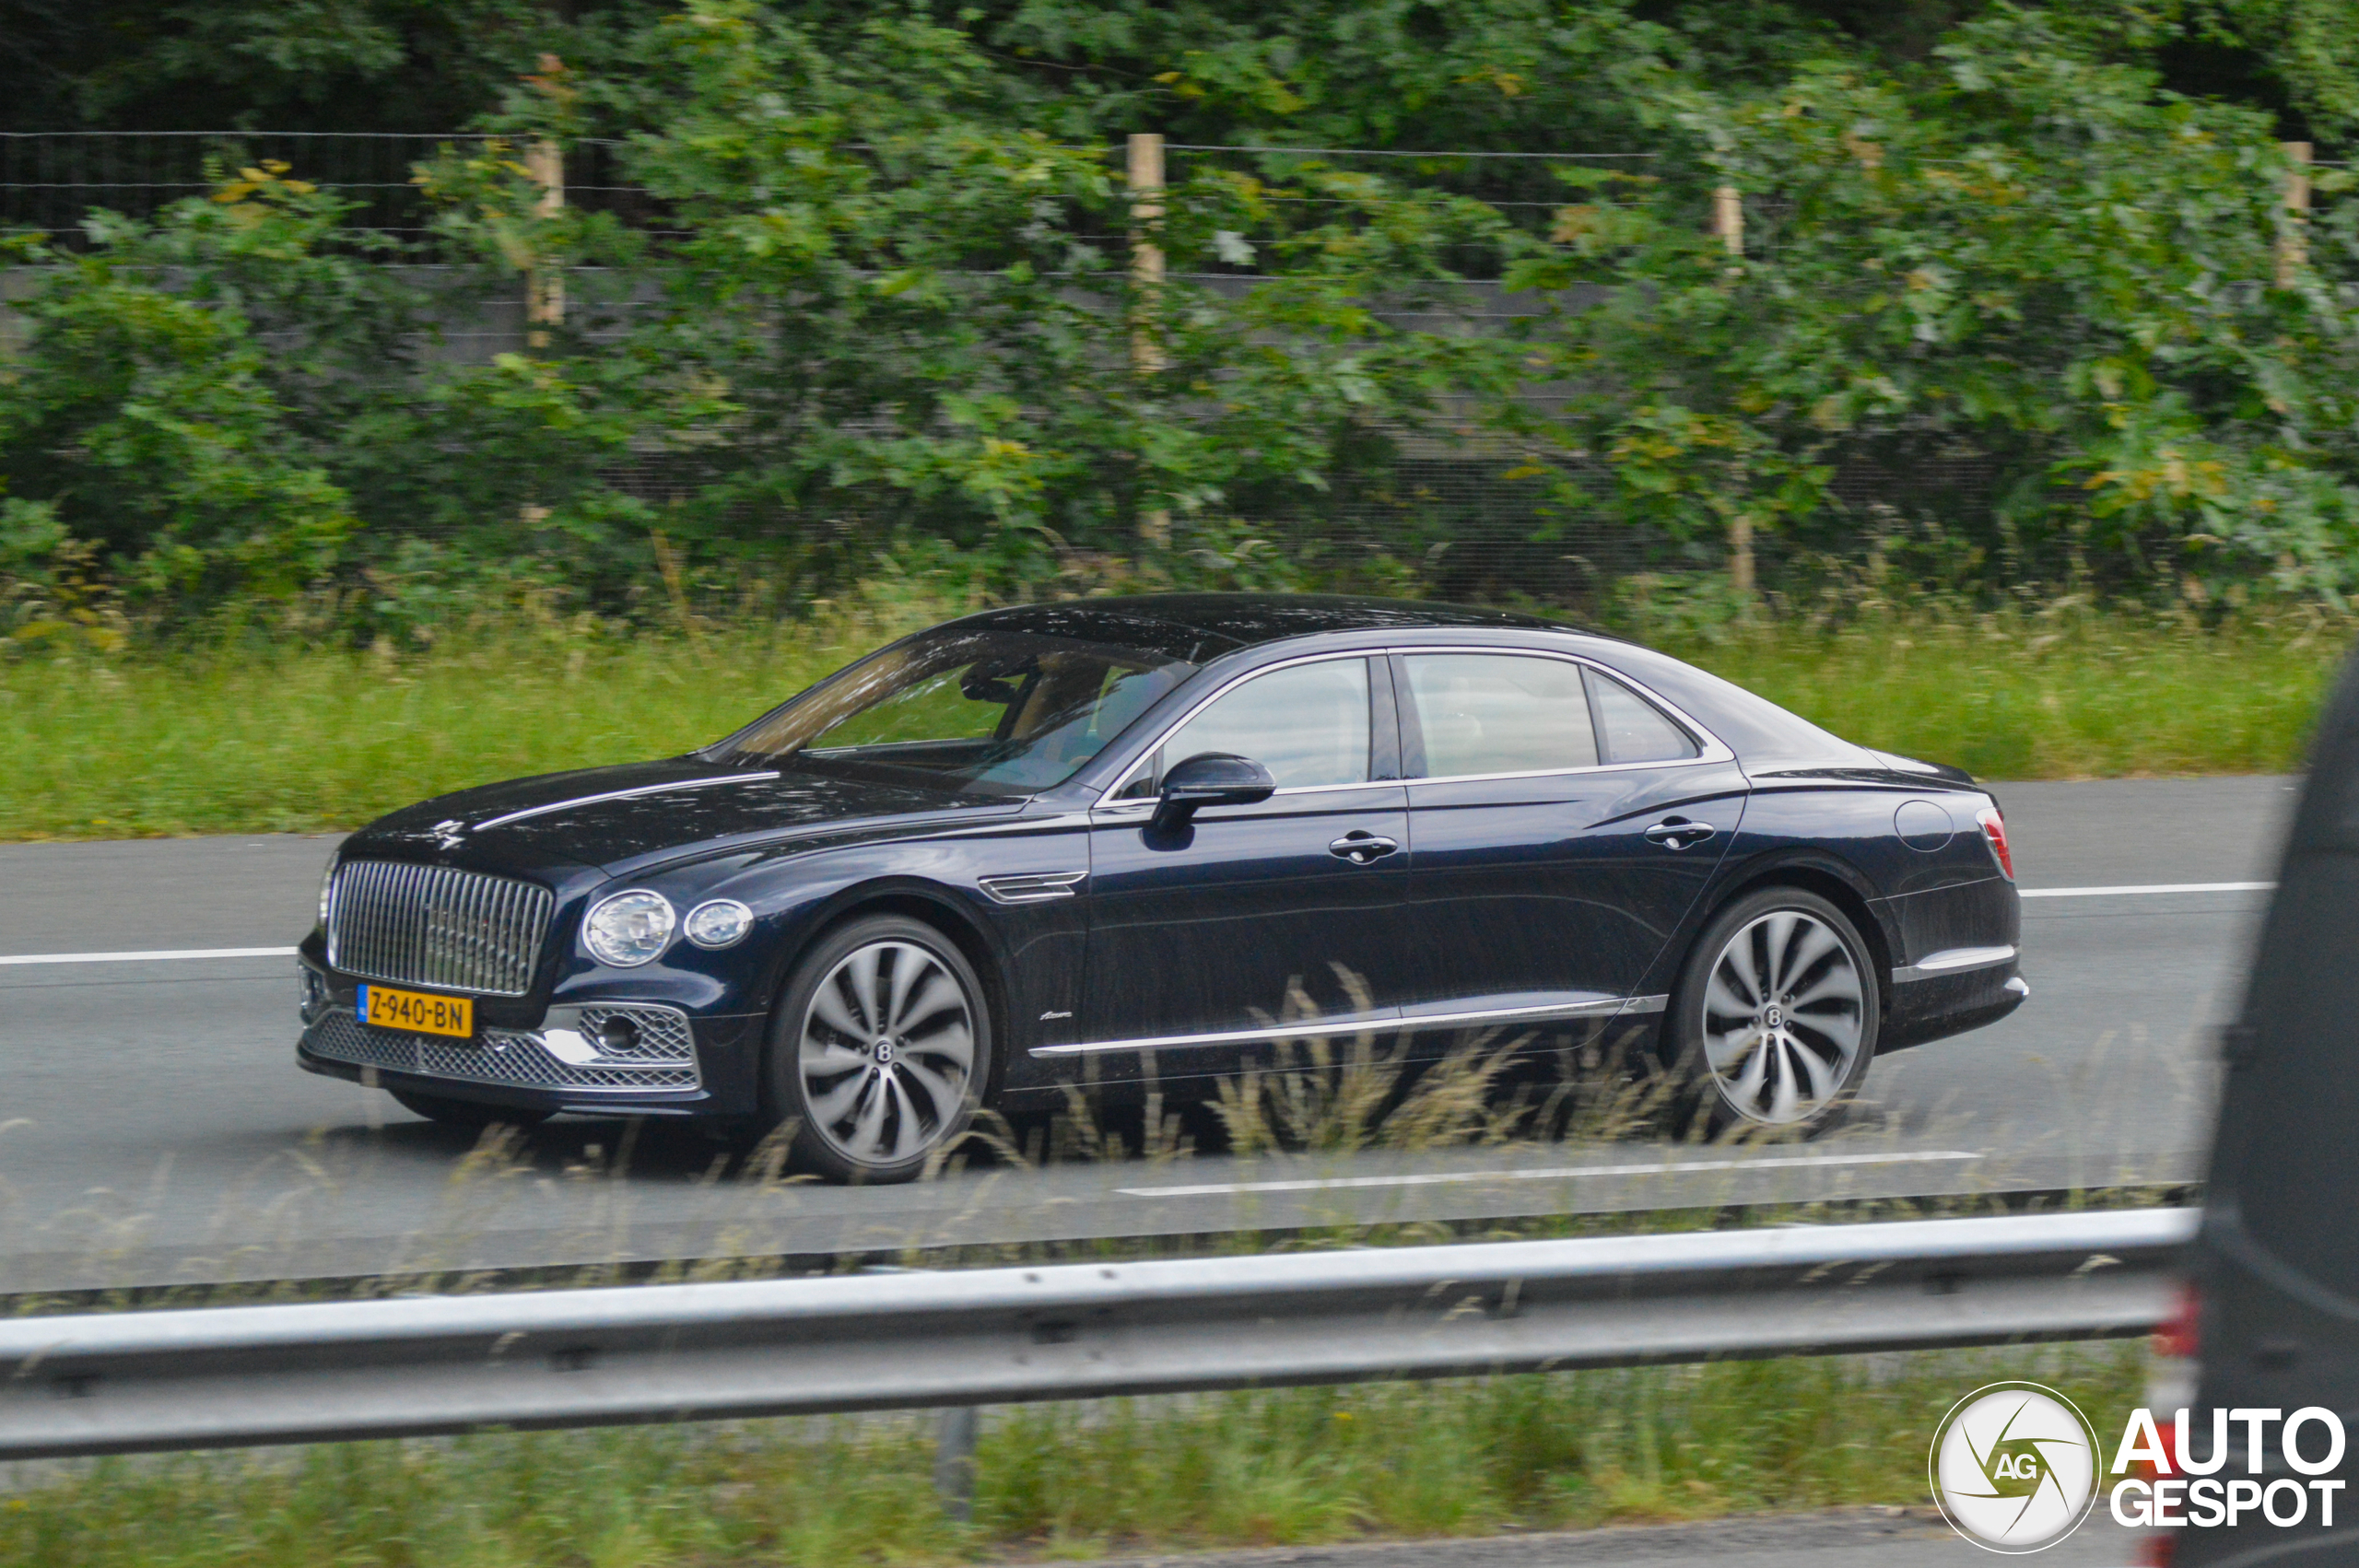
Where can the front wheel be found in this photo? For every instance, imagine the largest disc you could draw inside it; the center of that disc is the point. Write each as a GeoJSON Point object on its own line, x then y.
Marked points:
{"type": "Point", "coordinates": [1774, 1023]}
{"type": "Point", "coordinates": [879, 1052]}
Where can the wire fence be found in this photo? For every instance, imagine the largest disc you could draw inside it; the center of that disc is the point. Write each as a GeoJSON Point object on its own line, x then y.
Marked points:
{"type": "Point", "coordinates": [1468, 521]}
{"type": "Point", "coordinates": [51, 180]}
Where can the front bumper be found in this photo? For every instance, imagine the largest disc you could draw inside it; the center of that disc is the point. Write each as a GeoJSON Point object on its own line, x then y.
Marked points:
{"type": "Point", "coordinates": [578, 1060]}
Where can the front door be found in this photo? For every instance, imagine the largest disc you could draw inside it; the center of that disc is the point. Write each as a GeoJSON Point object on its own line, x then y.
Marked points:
{"type": "Point", "coordinates": [1254, 918]}
{"type": "Point", "coordinates": [1563, 825]}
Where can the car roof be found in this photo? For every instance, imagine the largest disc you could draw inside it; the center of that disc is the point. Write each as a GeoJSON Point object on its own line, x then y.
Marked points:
{"type": "Point", "coordinates": [1227, 622]}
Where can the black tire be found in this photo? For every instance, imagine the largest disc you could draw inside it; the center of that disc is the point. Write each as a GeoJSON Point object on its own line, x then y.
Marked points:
{"type": "Point", "coordinates": [879, 1052]}
{"type": "Point", "coordinates": [472, 1114]}
{"type": "Point", "coordinates": [1774, 1032]}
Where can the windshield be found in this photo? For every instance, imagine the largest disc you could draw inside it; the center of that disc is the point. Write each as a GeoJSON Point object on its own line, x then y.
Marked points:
{"type": "Point", "coordinates": [984, 711]}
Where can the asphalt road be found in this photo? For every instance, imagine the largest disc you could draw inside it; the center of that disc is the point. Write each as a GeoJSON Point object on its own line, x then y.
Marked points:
{"type": "Point", "coordinates": [153, 1127]}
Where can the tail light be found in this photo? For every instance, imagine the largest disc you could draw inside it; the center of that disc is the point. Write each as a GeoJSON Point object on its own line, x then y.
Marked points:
{"type": "Point", "coordinates": [1994, 830]}
{"type": "Point", "coordinates": [2176, 1336]}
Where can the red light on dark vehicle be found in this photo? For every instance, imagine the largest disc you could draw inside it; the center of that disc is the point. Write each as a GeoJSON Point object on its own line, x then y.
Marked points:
{"type": "Point", "coordinates": [1994, 829]}
{"type": "Point", "coordinates": [2175, 1335]}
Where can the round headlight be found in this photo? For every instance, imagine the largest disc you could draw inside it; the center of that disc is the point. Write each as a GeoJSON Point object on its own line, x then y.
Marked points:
{"type": "Point", "coordinates": [629, 928]}
{"type": "Point", "coordinates": [719, 923]}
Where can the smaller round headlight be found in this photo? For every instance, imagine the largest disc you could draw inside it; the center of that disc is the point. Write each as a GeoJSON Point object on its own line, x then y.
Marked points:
{"type": "Point", "coordinates": [629, 928]}
{"type": "Point", "coordinates": [720, 923]}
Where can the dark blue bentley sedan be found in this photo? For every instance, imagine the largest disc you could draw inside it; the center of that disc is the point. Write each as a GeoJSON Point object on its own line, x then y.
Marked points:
{"type": "Point", "coordinates": [1134, 840]}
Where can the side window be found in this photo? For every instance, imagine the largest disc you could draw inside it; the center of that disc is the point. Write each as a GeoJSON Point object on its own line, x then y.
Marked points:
{"type": "Point", "coordinates": [1634, 730]}
{"type": "Point", "coordinates": [1307, 725]}
{"type": "Point", "coordinates": [1500, 713]}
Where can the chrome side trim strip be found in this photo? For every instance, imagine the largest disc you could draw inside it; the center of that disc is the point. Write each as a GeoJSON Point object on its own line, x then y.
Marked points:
{"type": "Point", "coordinates": [1325, 1029]}
{"type": "Point", "coordinates": [1603, 1007]}
{"type": "Point", "coordinates": [1305, 1030]}
{"type": "Point", "coordinates": [619, 795]}
{"type": "Point", "coordinates": [1034, 887]}
{"type": "Point", "coordinates": [1954, 961]}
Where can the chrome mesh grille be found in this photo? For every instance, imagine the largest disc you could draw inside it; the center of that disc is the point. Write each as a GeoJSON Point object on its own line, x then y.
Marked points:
{"type": "Point", "coordinates": [437, 926]}
{"type": "Point", "coordinates": [662, 1059]}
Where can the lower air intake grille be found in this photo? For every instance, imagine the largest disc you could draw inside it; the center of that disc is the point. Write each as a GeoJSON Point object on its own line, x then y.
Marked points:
{"type": "Point", "coordinates": [660, 1057]}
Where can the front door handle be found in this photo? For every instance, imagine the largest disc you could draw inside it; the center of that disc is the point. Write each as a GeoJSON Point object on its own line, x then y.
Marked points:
{"type": "Point", "coordinates": [1678, 833]}
{"type": "Point", "coordinates": [1362, 847]}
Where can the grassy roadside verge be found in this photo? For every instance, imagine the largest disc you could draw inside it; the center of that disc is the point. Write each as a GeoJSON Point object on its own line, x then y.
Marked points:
{"type": "Point", "coordinates": [308, 739]}
{"type": "Point", "coordinates": [1543, 1451]}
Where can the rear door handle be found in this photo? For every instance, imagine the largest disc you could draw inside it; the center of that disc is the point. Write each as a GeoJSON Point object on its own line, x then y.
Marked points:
{"type": "Point", "coordinates": [1678, 833]}
{"type": "Point", "coordinates": [1362, 847]}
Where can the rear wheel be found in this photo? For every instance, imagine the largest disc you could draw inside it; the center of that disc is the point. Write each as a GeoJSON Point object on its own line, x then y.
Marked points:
{"type": "Point", "coordinates": [879, 1050]}
{"type": "Point", "coordinates": [1774, 1023]}
{"type": "Point", "coordinates": [472, 1114]}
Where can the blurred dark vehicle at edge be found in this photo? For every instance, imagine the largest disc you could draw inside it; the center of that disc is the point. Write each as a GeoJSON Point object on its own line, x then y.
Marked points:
{"type": "Point", "coordinates": [2271, 1319]}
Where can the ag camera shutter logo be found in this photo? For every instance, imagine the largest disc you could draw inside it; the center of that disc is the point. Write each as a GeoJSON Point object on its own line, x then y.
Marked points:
{"type": "Point", "coordinates": [2014, 1467]}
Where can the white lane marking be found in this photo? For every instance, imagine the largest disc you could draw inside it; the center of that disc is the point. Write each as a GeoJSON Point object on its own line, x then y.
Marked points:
{"type": "Point", "coordinates": [2148, 887]}
{"type": "Point", "coordinates": [1440, 1178]}
{"type": "Point", "coordinates": [151, 957]}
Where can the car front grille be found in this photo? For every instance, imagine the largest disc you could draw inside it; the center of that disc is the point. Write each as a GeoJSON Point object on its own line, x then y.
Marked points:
{"type": "Point", "coordinates": [436, 926]}
{"type": "Point", "coordinates": [661, 1057]}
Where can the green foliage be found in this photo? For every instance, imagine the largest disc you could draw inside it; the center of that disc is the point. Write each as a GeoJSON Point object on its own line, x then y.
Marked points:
{"type": "Point", "coordinates": [881, 304]}
{"type": "Point", "coordinates": [155, 420]}
{"type": "Point", "coordinates": [2040, 258]}
{"type": "Point", "coordinates": [281, 64]}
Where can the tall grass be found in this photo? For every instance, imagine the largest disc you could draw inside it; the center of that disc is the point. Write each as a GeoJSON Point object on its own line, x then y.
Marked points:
{"type": "Point", "coordinates": [307, 740]}
{"type": "Point", "coordinates": [2063, 692]}
{"type": "Point", "coordinates": [301, 739]}
{"type": "Point", "coordinates": [1559, 1450]}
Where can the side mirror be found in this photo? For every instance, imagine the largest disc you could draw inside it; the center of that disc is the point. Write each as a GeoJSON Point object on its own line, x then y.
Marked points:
{"type": "Point", "coordinates": [1210, 779]}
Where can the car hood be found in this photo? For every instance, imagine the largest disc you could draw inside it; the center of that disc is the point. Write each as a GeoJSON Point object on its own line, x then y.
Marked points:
{"type": "Point", "coordinates": [619, 819]}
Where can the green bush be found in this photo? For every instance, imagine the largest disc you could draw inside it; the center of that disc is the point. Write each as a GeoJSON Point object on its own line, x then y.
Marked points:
{"type": "Point", "coordinates": [881, 304]}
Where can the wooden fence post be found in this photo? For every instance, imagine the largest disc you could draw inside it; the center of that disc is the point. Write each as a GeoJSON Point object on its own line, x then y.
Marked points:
{"type": "Point", "coordinates": [544, 285]}
{"type": "Point", "coordinates": [1147, 273]}
{"type": "Point", "coordinates": [1728, 218]}
{"type": "Point", "coordinates": [2293, 247]}
{"type": "Point", "coordinates": [1728, 223]}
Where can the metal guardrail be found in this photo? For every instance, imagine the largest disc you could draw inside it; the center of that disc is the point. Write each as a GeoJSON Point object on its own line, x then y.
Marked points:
{"type": "Point", "coordinates": [121, 1383]}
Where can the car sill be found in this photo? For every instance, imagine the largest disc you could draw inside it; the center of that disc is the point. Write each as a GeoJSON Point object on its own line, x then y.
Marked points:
{"type": "Point", "coordinates": [1609, 1007]}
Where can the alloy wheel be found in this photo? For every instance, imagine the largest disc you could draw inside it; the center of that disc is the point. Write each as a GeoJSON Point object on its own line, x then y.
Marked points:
{"type": "Point", "coordinates": [886, 1053]}
{"type": "Point", "coordinates": [1784, 1016]}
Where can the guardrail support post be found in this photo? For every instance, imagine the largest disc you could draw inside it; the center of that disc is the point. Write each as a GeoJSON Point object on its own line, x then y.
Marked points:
{"type": "Point", "coordinates": [954, 1461]}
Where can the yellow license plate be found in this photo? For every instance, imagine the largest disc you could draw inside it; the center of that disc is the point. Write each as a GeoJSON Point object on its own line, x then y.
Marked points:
{"type": "Point", "coordinates": [390, 1009]}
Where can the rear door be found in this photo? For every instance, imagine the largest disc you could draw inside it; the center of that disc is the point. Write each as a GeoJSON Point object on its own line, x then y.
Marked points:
{"type": "Point", "coordinates": [1564, 825]}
